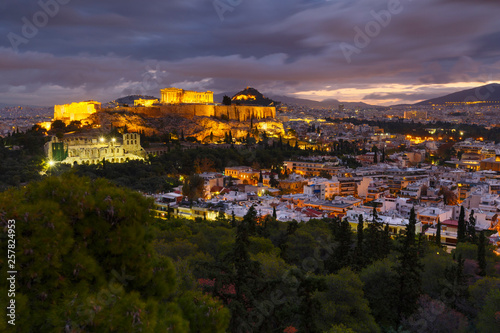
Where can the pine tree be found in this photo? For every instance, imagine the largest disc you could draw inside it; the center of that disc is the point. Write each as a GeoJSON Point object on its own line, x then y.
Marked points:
{"type": "Point", "coordinates": [481, 254]}
{"type": "Point", "coordinates": [438, 233]}
{"type": "Point", "coordinates": [461, 230]}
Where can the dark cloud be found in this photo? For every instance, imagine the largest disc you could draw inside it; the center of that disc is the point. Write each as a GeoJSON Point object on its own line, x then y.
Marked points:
{"type": "Point", "coordinates": [100, 49]}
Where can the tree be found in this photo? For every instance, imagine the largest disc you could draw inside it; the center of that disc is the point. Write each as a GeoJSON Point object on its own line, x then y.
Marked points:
{"type": "Point", "coordinates": [274, 212]}
{"type": "Point", "coordinates": [359, 244]}
{"type": "Point", "coordinates": [380, 286]}
{"type": "Point", "coordinates": [461, 229]}
{"type": "Point", "coordinates": [471, 228]}
{"type": "Point", "coordinates": [272, 181]}
{"type": "Point", "coordinates": [375, 158]}
{"type": "Point", "coordinates": [438, 233]}
{"type": "Point", "coordinates": [233, 219]}
{"type": "Point", "coordinates": [488, 316]}
{"type": "Point", "coordinates": [261, 179]}
{"type": "Point", "coordinates": [325, 174]}
{"type": "Point", "coordinates": [481, 254]}
{"type": "Point", "coordinates": [343, 302]}
{"type": "Point", "coordinates": [226, 100]}
{"type": "Point", "coordinates": [246, 274]}
{"type": "Point", "coordinates": [88, 262]}
{"type": "Point", "coordinates": [408, 269]}
{"type": "Point", "coordinates": [194, 187]}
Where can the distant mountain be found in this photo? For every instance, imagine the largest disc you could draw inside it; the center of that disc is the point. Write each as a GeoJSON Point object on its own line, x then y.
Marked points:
{"type": "Point", "coordinates": [489, 93]}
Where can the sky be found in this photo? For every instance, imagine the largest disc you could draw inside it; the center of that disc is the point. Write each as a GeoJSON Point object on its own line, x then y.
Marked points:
{"type": "Point", "coordinates": [381, 52]}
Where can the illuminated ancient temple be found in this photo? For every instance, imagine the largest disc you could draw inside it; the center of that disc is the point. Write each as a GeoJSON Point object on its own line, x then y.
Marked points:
{"type": "Point", "coordinates": [181, 96]}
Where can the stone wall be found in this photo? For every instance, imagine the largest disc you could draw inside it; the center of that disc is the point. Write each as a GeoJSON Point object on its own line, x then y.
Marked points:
{"type": "Point", "coordinates": [232, 112]}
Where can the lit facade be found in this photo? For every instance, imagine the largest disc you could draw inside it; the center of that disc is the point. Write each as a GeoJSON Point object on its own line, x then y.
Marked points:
{"type": "Point", "coordinates": [75, 111]}
{"type": "Point", "coordinates": [93, 150]}
{"type": "Point", "coordinates": [145, 102]}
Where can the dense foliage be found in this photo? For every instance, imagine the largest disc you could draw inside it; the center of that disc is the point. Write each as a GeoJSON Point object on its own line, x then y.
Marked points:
{"type": "Point", "coordinates": [91, 258]}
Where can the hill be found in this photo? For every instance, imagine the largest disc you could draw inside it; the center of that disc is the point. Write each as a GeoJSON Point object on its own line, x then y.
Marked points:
{"type": "Point", "coordinates": [327, 103]}
{"type": "Point", "coordinates": [489, 94]}
{"type": "Point", "coordinates": [251, 96]}
{"type": "Point", "coordinates": [127, 100]}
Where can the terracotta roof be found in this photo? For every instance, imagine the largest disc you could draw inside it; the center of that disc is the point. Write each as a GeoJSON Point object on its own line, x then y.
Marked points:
{"type": "Point", "coordinates": [450, 222]}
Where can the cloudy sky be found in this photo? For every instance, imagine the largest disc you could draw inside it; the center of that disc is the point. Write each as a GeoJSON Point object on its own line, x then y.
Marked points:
{"type": "Point", "coordinates": [378, 51]}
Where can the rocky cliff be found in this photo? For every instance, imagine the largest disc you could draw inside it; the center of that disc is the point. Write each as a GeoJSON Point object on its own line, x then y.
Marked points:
{"type": "Point", "coordinates": [199, 127]}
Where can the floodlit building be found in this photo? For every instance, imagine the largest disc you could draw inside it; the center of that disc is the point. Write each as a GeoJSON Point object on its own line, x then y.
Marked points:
{"type": "Point", "coordinates": [93, 150]}
{"type": "Point", "coordinates": [75, 111]}
{"type": "Point", "coordinates": [181, 96]}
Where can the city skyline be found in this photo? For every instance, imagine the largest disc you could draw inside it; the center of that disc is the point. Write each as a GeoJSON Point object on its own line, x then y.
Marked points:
{"type": "Point", "coordinates": [378, 52]}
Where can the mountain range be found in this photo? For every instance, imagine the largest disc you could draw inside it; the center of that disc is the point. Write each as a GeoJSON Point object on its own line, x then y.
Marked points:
{"type": "Point", "coordinates": [488, 93]}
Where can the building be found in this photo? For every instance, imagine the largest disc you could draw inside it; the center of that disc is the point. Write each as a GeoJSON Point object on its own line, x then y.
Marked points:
{"type": "Point", "coordinates": [415, 114]}
{"type": "Point", "coordinates": [430, 215]}
{"type": "Point", "coordinates": [75, 111]}
{"type": "Point", "coordinates": [312, 168]}
{"type": "Point", "coordinates": [93, 150]}
{"type": "Point", "coordinates": [145, 102]}
{"type": "Point", "coordinates": [181, 96]}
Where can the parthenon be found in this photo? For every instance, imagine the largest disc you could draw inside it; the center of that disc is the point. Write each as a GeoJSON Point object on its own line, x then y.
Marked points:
{"type": "Point", "coordinates": [181, 96]}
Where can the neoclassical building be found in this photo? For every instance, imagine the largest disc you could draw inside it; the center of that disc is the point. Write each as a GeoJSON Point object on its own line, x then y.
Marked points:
{"type": "Point", "coordinates": [93, 150]}
{"type": "Point", "coordinates": [181, 96]}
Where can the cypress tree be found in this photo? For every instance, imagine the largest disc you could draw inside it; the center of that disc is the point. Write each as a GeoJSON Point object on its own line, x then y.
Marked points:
{"type": "Point", "coordinates": [360, 233]}
{"type": "Point", "coordinates": [233, 219]}
{"type": "Point", "coordinates": [438, 233]}
{"type": "Point", "coordinates": [274, 212]}
{"type": "Point", "coordinates": [408, 270]}
{"type": "Point", "coordinates": [471, 228]}
{"type": "Point", "coordinates": [481, 254]}
{"type": "Point", "coordinates": [359, 255]}
{"type": "Point", "coordinates": [461, 236]}
{"type": "Point", "coordinates": [261, 179]}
